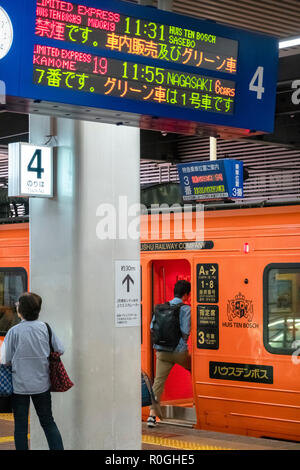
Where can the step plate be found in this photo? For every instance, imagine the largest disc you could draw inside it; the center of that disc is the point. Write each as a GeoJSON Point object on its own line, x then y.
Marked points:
{"type": "Point", "coordinates": [179, 415]}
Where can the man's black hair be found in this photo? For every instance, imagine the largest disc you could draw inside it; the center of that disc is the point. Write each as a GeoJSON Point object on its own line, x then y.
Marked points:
{"type": "Point", "coordinates": [181, 288]}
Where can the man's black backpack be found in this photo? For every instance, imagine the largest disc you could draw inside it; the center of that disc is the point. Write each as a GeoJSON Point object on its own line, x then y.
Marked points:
{"type": "Point", "coordinates": [166, 327]}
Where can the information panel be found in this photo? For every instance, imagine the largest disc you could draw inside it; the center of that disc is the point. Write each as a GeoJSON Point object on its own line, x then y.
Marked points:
{"type": "Point", "coordinates": [120, 57]}
{"type": "Point", "coordinates": [207, 326]}
{"type": "Point", "coordinates": [207, 180]}
{"type": "Point", "coordinates": [127, 293]}
{"type": "Point", "coordinates": [207, 283]}
{"type": "Point", "coordinates": [70, 70]}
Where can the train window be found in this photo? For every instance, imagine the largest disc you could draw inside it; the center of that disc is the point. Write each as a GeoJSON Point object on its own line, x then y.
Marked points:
{"type": "Point", "coordinates": [282, 308]}
{"type": "Point", "coordinates": [13, 281]}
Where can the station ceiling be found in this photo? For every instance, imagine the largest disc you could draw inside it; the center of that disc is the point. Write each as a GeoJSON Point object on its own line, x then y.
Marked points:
{"type": "Point", "coordinates": [279, 18]}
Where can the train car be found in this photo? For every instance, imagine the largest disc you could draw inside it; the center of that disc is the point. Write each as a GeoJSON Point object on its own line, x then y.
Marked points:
{"type": "Point", "coordinates": [245, 309]}
{"type": "Point", "coordinates": [245, 306]}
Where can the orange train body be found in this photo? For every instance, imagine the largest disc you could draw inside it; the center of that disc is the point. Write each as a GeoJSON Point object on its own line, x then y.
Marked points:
{"type": "Point", "coordinates": [14, 246]}
{"type": "Point", "coordinates": [245, 318]}
{"type": "Point", "coordinates": [245, 314]}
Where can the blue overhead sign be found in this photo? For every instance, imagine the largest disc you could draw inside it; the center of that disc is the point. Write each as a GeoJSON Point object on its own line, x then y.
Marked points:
{"type": "Point", "coordinates": [155, 65]}
{"type": "Point", "coordinates": [210, 180]}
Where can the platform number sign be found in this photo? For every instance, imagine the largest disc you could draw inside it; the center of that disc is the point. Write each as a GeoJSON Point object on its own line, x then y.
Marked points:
{"type": "Point", "coordinates": [30, 170]}
{"type": "Point", "coordinates": [256, 83]}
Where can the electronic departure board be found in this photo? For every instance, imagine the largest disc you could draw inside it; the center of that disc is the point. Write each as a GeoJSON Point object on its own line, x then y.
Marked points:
{"type": "Point", "coordinates": [61, 68]}
{"type": "Point", "coordinates": [80, 24]}
{"type": "Point", "coordinates": [121, 57]}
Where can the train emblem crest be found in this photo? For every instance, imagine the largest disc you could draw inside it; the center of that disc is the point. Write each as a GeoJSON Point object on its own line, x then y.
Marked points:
{"type": "Point", "coordinates": [240, 307]}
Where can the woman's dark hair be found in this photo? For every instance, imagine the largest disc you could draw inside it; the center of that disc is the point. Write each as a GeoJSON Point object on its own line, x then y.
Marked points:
{"type": "Point", "coordinates": [30, 306]}
{"type": "Point", "coordinates": [181, 288]}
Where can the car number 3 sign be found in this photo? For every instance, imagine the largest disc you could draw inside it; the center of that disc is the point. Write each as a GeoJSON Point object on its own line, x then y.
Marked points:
{"type": "Point", "coordinates": [30, 170]}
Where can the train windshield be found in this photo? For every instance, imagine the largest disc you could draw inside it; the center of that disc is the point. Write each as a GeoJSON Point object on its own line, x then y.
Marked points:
{"type": "Point", "coordinates": [283, 309]}
{"type": "Point", "coordinates": [13, 282]}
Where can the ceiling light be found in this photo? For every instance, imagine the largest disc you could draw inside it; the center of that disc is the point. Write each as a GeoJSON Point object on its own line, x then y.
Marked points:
{"type": "Point", "coordinates": [289, 43]}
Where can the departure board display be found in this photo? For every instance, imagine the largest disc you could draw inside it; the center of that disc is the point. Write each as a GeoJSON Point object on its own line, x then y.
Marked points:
{"type": "Point", "coordinates": [125, 63]}
{"type": "Point", "coordinates": [108, 29]}
{"type": "Point", "coordinates": [72, 70]}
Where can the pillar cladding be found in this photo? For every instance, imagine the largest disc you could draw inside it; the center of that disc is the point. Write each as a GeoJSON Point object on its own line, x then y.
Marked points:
{"type": "Point", "coordinates": [73, 269]}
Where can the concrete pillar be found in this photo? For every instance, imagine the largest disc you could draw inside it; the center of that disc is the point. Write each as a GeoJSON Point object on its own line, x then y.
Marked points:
{"type": "Point", "coordinates": [74, 272]}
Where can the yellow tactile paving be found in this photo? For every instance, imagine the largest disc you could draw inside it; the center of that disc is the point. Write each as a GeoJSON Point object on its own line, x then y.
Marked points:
{"type": "Point", "coordinates": [6, 439]}
{"type": "Point", "coordinates": [6, 416]}
{"type": "Point", "coordinates": [178, 444]}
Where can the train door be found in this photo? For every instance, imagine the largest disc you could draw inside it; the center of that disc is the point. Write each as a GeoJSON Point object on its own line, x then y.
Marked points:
{"type": "Point", "coordinates": [178, 392]}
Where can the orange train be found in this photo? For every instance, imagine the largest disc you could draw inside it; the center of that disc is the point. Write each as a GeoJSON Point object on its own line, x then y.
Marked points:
{"type": "Point", "coordinates": [245, 308]}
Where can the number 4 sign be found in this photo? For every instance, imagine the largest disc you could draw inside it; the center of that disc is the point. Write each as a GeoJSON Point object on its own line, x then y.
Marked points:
{"type": "Point", "coordinates": [256, 83]}
{"type": "Point", "coordinates": [30, 170]}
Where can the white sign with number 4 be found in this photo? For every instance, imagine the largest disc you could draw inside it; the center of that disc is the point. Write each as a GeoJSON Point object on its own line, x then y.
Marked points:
{"type": "Point", "coordinates": [30, 170]}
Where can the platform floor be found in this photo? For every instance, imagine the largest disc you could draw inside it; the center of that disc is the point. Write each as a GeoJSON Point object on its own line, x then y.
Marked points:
{"type": "Point", "coordinates": [170, 437]}
{"type": "Point", "coordinates": [165, 436]}
{"type": "Point", "coordinates": [7, 432]}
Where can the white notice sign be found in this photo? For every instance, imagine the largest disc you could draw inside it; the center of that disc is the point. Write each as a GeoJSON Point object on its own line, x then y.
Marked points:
{"type": "Point", "coordinates": [127, 293]}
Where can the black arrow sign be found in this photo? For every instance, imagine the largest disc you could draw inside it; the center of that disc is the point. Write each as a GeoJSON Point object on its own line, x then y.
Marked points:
{"type": "Point", "coordinates": [128, 279]}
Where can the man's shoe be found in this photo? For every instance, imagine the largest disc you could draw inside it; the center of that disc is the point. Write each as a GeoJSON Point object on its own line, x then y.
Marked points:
{"type": "Point", "coordinates": [151, 422]}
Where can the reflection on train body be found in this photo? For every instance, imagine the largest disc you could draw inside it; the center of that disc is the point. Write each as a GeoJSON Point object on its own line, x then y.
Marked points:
{"type": "Point", "coordinates": [14, 266]}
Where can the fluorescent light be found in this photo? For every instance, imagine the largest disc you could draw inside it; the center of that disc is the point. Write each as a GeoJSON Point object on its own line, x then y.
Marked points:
{"type": "Point", "coordinates": [289, 43]}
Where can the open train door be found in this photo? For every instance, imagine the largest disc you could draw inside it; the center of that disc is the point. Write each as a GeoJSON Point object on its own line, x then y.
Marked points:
{"type": "Point", "coordinates": [177, 399]}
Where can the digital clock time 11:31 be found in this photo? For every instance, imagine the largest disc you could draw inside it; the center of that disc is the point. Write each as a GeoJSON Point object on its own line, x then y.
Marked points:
{"type": "Point", "coordinates": [94, 27]}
